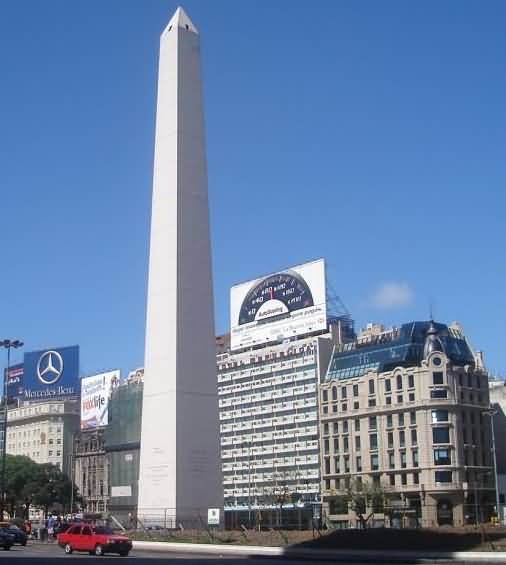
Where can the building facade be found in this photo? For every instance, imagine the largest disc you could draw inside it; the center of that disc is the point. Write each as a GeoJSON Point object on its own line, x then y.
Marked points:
{"type": "Point", "coordinates": [122, 445]}
{"type": "Point", "coordinates": [90, 470]}
{"type": "Point", "coordinates": [405, 438]}
{"type": "Point", "coordinates": [44, 432]}
{"type": "Point", "coordinates": [268, 403]}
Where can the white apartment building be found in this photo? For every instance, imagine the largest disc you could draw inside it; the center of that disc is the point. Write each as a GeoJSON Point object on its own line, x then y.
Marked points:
{"type": "Point", "coordinates": [43, 432]}
{"type": "Point", "coordinates": [268, 410]}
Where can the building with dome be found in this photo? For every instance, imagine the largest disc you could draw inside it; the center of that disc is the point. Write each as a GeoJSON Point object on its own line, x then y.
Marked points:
{"type": "Point", "coordinates": [405, 436]}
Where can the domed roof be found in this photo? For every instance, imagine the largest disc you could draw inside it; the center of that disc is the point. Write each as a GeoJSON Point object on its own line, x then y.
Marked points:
{"type": "Point", "coordinates": [432, 342]}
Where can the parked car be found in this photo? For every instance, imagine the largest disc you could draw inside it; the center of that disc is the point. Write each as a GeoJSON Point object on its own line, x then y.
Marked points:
{"type": "Point", "coordinates": [6, 539]}
{"type": "Point", "coordinates": [19, 536]}
{"type": "Point", "coordinates": [94, 540]}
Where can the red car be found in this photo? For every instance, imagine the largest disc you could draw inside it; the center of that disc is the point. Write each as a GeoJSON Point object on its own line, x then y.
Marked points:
{"type": "Point", "coordinates": [95, 540]}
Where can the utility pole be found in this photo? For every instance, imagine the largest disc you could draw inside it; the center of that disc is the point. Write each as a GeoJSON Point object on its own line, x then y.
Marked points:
{"type": "Point", "coordinates": [8, 344]}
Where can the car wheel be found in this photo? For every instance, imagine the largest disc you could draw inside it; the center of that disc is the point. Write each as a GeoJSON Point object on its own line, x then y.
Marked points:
{"type": "Point", "coordinates": [99, 550]}
{"type": "Point", "coordinates": [68, 548]}
{"type": "Point", "coordinates": [124, 553]}
{"type": "Point", "coordinates": [23, 543]}
{"type": "Point", "coordinates": [7, 547]}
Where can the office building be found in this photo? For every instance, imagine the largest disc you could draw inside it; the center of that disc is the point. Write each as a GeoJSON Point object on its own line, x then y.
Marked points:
{"type": "Point", "coordinates": [405, 437]}
{"type": "Point", "coordinates": [44, 431]}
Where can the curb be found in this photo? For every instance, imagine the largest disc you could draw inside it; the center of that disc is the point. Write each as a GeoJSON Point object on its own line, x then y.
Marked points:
{"type": "Point", "coordinates": [335, 555]}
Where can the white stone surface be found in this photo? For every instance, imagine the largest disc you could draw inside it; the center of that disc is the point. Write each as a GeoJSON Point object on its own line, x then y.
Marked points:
{"type": "Point", "coordinates": [179, 466]}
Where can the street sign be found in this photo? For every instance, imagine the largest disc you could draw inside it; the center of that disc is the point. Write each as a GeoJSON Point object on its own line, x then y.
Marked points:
{"type": "Point", "coordinates": [213, 516]}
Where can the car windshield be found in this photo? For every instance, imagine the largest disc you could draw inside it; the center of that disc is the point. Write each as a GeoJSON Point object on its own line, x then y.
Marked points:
{"type": "Point", "coordinates": [104, 530]}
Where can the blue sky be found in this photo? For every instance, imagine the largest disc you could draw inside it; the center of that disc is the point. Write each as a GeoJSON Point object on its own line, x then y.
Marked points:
{"type": "Point", "coordinates": [369, 133]}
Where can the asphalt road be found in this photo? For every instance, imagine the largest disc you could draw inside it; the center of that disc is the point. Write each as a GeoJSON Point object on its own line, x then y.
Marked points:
{"type": "Point", "coordinates": [49, 554]}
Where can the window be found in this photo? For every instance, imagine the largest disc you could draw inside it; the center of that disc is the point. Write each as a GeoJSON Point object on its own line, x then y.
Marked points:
{"type": "Point", "coordinates": [344, 407]}
{"type": "Point", "coordinates": [390, 421]}
{"type": "Point", "coordinates": [372, 402]}
{"type": "Point", "coordinates": [325, 396]}
{"type": "Point", "coordinates": [414, 438]}
{"type": "Point", "coordinates": [337, 468]}
{"type": "Point", "coordinates": [325, 409]}
{"type": "Point", "coordinates": [334, 408]}
{"type": "Point", "coordinates": [357, 443]}
{"type": "Point", "coordinates": [414, 457]}
{"type": "Point", "coordinates": [371, 387]}
{"type": "Point", "coordinates": [50, 453]}
{"type": "Point", "coordinates": [336, 428]}
{"type": "Point", "coordinates": [391, 461]}
{"type": "Point", "coordinates": [336, 445]}
{"type": "Point", "coordinates": [399, 399]}
{"type": "Point", "coordinates": [402, 438]}
{"type": "Point", "coordinates": [440, 416]}
{"type": "Point", "coordinates": [412, 418]}
{"type": "Point", "coordinates": [443, 476]}
{"type": "Point", "coordinates": [404, 479]}
{"type": "Point", "coordinates": [343, 392]}
{"type": "Point", "coordinates": [411, 397]}
{"type": "Point", "coordinates": [356, 405]}
{"type": "Point", "coordinates": [373, 441]}
{"type": "Point", "coordinates": [390, 437]}
{"type": "Point", "coordinates": [399, 382]}
{"type": "Point", "coordinates": [401, 419]}
{"type": "Point", "coordinates": [441, 435]}
{"type": "Point", "coordinates": [437, 377]}
{"type": "Point", "coordinates": [327, 465]}
{"type": "Point", "coordinates": [345, 426]}
{"type": "Point", "coordinates": [357, 425]}
{"type": "Point", "coordinates": [388, 385]}
{"type": "Point", "coordinates": [355, 390]}
{"type": "Point", "coordinates": [388, 400]}
{"type": "Point", "coordinates": [325, 429]}
{"type": "Point", "coordinates": [372, 423]}
{"type": "Point", "coordinates": [345, 444]}
{"type": "Point", "coordinates": [442, 456]}
{"type": "Point", "coordinates": [416, 478]}
{"type": "Point", "coordinates": [359, 464]}
{"type": "Point", "coordinates": [403, 460]}
{"type": "Point", "coordinates": [374, 462]}
{"type": "Point", "coordinates": [439, 393]}
{"type": "Point", "coordinates": [326, 446]}
{"type": "Point", "coordinates": [392, 480]}
{"type": "Point", "coordinates": [411, 381]}
{"type": "Point", "coordinates": [346, 464]}
{"type": "Point", "coordinates": [334, 393]}
{"type": "Point", "coordinates": [437, 361]}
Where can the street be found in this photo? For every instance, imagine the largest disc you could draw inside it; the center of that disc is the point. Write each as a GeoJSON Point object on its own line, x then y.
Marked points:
{"type": "Point", "coordinates": [45, 554]}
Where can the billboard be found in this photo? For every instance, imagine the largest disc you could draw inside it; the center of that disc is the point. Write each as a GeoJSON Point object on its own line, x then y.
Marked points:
{"type": "Point", "coordinates": [51, 374]}
{"type": "Point", "coordinates": [278, 306]}
{"type": "Point", "coordinates": [14, 378]}
{"type": "Point", "coordinates": [95, 396]}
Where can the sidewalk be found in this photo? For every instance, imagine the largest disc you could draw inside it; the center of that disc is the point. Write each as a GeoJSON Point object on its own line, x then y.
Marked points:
{"type": "Point", "coordinates": [324, 554]}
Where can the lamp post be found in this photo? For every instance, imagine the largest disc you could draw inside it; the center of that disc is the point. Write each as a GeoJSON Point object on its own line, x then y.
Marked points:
{"type": "Point", "coordinates": [491, 413]}
{"type": "Point", "coordinates": [8, 344]}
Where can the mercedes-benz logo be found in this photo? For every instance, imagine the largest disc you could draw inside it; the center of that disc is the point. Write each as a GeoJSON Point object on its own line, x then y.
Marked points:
{"type": "Point", "coordinates": [49, 367]}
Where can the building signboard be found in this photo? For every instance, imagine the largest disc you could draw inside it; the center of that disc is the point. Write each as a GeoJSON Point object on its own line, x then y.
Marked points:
{"type": "Point", "coordinates": [95, 395]}
{"type": "Point", "coordinates": [51, 374]}
{"type": "Point", "coordinates": [279, 306]}
{"type": "Point", "coordinates": [14, 378]}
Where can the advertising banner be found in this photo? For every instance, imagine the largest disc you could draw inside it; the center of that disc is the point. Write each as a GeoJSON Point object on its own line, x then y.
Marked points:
{"type": "Point", "coordinates": [51, 374]}
{"type": "Point", "coordinates": [95, 395]}
{"type": "Point", "coordinates": [14, 378]}
{"type": "Point", "coordinates": [278, 306]}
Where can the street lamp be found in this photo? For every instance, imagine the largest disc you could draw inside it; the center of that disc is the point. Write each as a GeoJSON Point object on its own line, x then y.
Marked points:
{"type": "Point", "coordinates": [491, 412]}
{"type": "Point", "coordinates": [8, 344]}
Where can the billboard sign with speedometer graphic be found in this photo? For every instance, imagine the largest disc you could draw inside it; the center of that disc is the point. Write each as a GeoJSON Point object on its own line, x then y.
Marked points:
{"type": "Point", "coordinates": [278, 306]}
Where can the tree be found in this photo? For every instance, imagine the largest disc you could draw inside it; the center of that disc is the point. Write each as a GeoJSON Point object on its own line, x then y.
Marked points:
{"type": "Point", "coordinates": [19, 471]}
{"type": "Point", "coordinates": [361, 496]}
{"type": "Point", "coordinates": [29, 483]}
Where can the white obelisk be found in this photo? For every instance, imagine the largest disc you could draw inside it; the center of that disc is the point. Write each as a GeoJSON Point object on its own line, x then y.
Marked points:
{"type": "Point", "coordinates": [179, 462]}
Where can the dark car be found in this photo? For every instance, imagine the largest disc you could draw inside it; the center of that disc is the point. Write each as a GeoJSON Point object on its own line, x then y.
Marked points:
{"type": "Point", "coordinates": [6, 539]}
{"type": "Point", "coordinates": [19, 536]}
